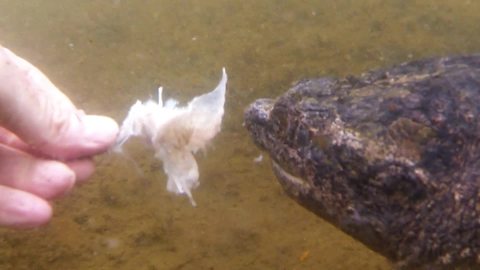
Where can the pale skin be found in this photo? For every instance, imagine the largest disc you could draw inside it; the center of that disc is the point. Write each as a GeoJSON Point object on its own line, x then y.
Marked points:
{"type": "Point", "coordinates": [46, 143]}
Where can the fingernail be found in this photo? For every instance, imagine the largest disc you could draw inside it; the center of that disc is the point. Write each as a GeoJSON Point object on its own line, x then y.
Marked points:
{"type": "Point", "coordinates": [100, 131]}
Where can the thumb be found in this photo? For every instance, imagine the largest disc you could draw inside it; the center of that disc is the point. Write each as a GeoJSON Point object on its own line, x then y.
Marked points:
{"type": "Point", "coordinates": [35, 110]}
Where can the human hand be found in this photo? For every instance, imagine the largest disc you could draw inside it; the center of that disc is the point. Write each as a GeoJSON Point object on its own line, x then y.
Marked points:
{"type": "Point", "coordinates": [46, 144]}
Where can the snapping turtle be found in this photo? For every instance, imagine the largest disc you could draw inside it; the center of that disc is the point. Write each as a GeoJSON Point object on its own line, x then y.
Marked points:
{"type": "Point", "coordinates": [391, 157]}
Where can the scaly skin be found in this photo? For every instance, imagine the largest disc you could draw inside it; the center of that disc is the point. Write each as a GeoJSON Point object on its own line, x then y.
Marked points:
{"type": "Point", "coordinates": [390, 157]}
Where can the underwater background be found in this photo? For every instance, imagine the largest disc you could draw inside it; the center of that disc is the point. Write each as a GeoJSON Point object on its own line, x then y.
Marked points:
{"type": "Point", "coordinates": [107, 54]}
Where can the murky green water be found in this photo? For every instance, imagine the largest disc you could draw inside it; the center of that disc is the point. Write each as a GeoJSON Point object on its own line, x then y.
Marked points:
{"type": "Point", "coordinates": [107, 54]}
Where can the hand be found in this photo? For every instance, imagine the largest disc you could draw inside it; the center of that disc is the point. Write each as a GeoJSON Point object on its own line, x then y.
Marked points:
{"type": "Point", "coordinates": [45, 143]}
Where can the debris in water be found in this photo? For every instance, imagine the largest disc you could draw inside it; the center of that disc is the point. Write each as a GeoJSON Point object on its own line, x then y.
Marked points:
{"type": "Point", "coordinates": [258, 159]}
{"type": "Point", "coordinates": [176, 133]}
{"type": "Point", "coordinates": [305, 254]}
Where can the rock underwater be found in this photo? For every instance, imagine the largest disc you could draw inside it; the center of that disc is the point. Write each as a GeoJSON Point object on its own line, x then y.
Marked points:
{"type": "Point", "coordinates": [391, 157]}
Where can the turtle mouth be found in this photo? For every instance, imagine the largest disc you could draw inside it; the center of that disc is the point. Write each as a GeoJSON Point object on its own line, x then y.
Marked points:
{"type": "Point", "coordinates": [294, 185]}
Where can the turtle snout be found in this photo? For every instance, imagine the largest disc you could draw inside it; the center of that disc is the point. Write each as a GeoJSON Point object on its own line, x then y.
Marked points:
{"type": "Point", "coordinates": [257, 121]}
{"type": "Point", "coordinates": [258, 113]}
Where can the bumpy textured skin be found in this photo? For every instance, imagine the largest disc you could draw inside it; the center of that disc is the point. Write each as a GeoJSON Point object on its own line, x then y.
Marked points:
{"type": "Point", "coordinates": [390, 157]}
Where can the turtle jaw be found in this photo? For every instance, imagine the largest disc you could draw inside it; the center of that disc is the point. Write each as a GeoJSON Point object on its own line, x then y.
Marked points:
{"type": "Point", "coordinates": [295, 186]}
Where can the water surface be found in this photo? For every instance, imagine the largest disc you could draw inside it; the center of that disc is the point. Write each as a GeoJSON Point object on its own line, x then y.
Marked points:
{"type": "Point", "coordinates": [107, 54]}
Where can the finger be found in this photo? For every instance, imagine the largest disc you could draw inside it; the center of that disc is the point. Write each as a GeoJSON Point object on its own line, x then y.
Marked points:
{"type": "Point", "coordinates": [45, 178]}
{"type": "Point", "coordinates": [19, 209]}
{"type": "Point", "coordinates": [83, 169]}
{"type": "Point", "coordinates": [8, 138]}
{"type": "Point", "coordinates": [34, 109]}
